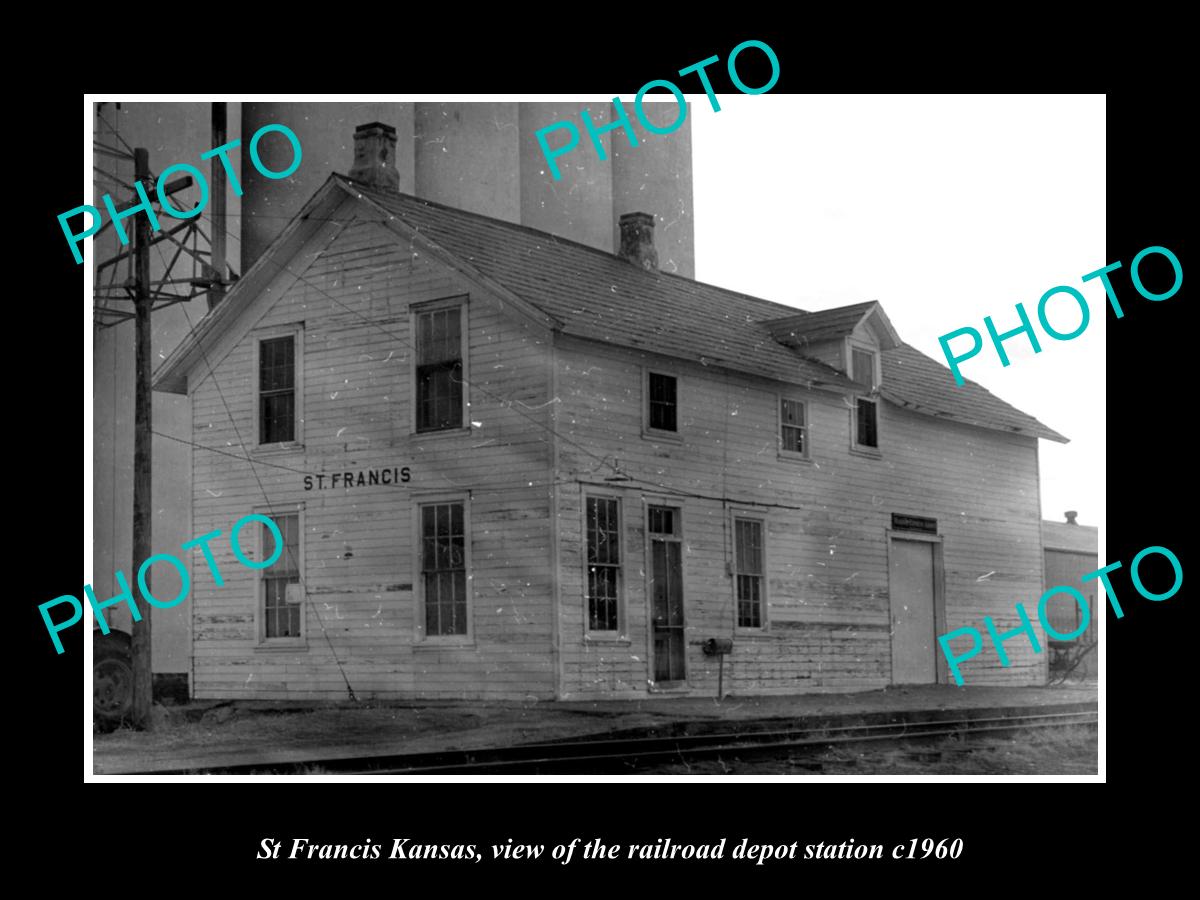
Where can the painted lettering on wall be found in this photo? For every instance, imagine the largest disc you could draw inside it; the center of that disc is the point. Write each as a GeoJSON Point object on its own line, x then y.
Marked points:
{"type": "Point", "coordinates": [361, 478]}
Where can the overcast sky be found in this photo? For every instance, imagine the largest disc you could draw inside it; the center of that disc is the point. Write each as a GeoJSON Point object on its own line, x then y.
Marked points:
{"type": "Point", "coordinates": [945, 210]}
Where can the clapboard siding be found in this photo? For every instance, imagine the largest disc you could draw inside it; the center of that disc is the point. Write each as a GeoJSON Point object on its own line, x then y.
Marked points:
{"type": "Point", "coordinates": [359, 560]}
{"type": "Point", "coordinates": [827, 521]}
{"type": "Point", "coordinates": [349, 288]}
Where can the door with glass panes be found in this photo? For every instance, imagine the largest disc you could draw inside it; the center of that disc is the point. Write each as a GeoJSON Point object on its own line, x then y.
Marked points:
{"type": "Point", "coordinates": [666, 595]}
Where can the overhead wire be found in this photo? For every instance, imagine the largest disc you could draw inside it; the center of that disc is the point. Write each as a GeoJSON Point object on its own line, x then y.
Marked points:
{"type": "Point", "coordinates": [266, 497]}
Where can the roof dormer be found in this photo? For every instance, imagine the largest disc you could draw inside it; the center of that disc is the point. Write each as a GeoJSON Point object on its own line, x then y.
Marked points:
{"type": "Point", "coordinates": [848, 338]}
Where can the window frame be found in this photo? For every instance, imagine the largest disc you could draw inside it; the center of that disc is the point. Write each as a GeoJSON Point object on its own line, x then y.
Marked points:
{"type": "Point", "coordinates": [855, 444]}
{"type": "Point", "coordinates": [806, 454]}
{"type": "Point", "coordinates": [415, 311]}
{"type": "Point", "coordinates": [758, 517]}
{"type": "Point", "coordinates": [420, 637]}
{"type": "Point", "coordinates": [296, 332]}
{"type": "Point", "coordinates": [621, 632]}
{"type": "Point", "coordinates": [871, 395]}
{"type": "Point", "coordinates": [260, 575]}
{"type": "Point", "coordinates": [853, 344]}
{"type": "Point", "coordinates": [660, 434]}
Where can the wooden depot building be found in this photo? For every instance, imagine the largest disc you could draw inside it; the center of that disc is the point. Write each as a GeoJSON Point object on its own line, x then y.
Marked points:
{"type": "Point", "coordinates": [507, 465]}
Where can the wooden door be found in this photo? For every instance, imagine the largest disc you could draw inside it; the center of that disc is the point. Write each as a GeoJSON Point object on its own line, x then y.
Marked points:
{"type": "Point", "coordinates": [666, 597]}
{"type": "Point", "coordinates": [913, 595]}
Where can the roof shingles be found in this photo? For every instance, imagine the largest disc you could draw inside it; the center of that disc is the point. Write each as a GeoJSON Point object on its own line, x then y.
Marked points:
{"type": "Point", "coordinates": [599, 296]}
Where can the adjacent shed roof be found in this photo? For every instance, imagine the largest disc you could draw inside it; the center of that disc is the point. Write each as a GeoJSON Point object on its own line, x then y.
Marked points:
{"type": "Point", "coordinates": [1074, 538]}
{"type": "Point", "coordinates": [596, 295]}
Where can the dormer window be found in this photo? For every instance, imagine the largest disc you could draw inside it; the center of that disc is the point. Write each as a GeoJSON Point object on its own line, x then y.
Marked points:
{"type": "Point", "coordinates": [864, 369]}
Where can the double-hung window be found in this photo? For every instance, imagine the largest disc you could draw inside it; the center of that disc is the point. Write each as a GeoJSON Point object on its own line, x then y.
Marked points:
{"type": "Point", "coordinates": [749, 572]}
{"type": "Point", "coordinates": [444, 568]}
{"type": "Point", "coordinates": [277, 390]}
{"type": "Point", "coordinates": [793, 427]}
{"type": "Point", "coordinates": [603, 564]}
{"type": "Point", "coordinates": [662, 413]}
{"type": "Point", "coordinates": [439, 367]}
{"type": "Point", "coordinates": [866, 409]}
{"type": "Point", "coordinates": [282, 613]}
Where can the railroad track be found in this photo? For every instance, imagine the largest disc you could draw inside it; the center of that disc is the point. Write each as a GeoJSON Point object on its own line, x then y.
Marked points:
{"type": "Point", "coordinates": [631, 754]}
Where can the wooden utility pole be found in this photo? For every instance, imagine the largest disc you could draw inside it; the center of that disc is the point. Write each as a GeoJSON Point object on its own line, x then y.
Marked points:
{"type": "Point", "coordinates": [217, 292]}
{"type": "Point", "coordinates": [142, 503]}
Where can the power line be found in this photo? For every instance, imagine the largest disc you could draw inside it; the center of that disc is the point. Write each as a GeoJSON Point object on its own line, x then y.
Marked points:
{"type": "Point", "coordinates": [237, 433]}
{"type": "Point", "coordinates": [505, 401]}
{"type": "Point", "coordinates": [263, 489]}
{"type": "Point", "coordinates": [404, 341]}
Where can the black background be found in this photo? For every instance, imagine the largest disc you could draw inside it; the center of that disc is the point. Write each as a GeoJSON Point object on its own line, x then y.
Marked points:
{"type": "Point", "coordinates": [1010, 829]}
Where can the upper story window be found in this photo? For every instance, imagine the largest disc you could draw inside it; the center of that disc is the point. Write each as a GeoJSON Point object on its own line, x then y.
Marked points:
{"type": "Point", "coordinates": [866, 411]}
{"type": "Point", "coordinates": [277, 390]}
{"type": "Point", "coordinates": [866, 423]}
{"type": "Point", "coordinates": [439, 372]}
{"type": "Point", "coordinates": [863, 368]}
{"type": "Point", "coordinates": [663, 402]}
{"type": "Point", "coordinates": [793, 427]}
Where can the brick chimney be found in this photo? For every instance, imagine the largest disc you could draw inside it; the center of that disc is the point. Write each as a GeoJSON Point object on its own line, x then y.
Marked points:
{"type": "Point", "coordinates": [375, 156]}
{"type": "Point", "coordinates": [637, 240]}
{"type": "Point", "coordinates": [1071, 514]}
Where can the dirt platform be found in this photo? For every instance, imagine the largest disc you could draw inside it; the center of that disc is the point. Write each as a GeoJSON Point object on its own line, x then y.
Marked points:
{"type": "Point", "coordinates": [212, 734]}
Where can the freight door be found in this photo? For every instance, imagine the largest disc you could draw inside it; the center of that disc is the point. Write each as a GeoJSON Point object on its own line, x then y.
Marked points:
{"type": "Point", "coordinates": [666, 596]}
{"type": "Point", "coordinates": [913, 591]}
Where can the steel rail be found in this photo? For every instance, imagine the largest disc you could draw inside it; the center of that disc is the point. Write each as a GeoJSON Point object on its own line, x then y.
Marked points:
{"type": "Point", "coordinates": [586, 756]}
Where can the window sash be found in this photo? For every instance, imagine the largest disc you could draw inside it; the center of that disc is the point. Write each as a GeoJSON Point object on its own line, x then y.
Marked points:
{"type": "Point", "coordinates": [277, 390]}
{"type": "Point", "coordinates": [749, 572]}
{"type": "Point", "coordinates": [280, 618]}
{"type": "Point", "coordinates": [277, 364]}
{"type": "Point", "coordinates": [439, 396]}
{"type": "Point", "coordinates": [663, 521]}
{"type": "Point", "coordinates": [864, 368]}
{"type": "Point", "coordinates": [444, 568]}
{"type": "Point", "coordinates": [749, 601]}
{"type": "Point", "coordinates": [288, 562]}
{"type": "Point", "coordinates": [792, 425]}
{"type": "Point", "coordinates": [663, 402]}
{"type": "Point", "coordinates": [439, 336]}
{"type": "Point", "coordinates": [603, 597]}
{"type": "Point", "coordinates": [866, 433]}
{"type": "Point", "coordinates": [603, 563]}
{"type": "Point", "coordinates": [439, 369]}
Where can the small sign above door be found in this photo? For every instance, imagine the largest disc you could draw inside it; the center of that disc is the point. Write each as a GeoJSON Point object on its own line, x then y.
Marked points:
{"type": "Point", "coordinates": [914, 523]}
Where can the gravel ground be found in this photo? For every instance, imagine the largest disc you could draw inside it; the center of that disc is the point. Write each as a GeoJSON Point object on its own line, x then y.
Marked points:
{"type": "Point", "coordinates": [1071, 751]}
{"type": "Point", "coordinates": [207, 734]}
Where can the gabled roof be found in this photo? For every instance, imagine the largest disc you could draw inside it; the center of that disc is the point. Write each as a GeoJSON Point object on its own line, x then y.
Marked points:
{"type": "Point", "coordinates": [598, 296]}
{"type": "Point", "coordinates": [802, 329]}
{"type": "Point", "coordinates": [601, 297]}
